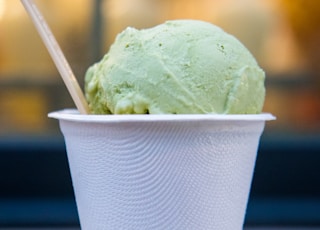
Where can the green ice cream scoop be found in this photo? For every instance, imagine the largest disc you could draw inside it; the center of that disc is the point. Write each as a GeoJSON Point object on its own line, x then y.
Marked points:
{"type": "Point", "coordinates": [179, 67]}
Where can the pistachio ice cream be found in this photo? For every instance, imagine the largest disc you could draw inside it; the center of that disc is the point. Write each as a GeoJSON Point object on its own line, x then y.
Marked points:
{"type": "Point", "coordinates": [179, 67]}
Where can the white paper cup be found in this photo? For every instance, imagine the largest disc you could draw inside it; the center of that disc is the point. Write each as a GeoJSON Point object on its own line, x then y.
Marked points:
{"type": "Point", "coordinates": [161, 171]}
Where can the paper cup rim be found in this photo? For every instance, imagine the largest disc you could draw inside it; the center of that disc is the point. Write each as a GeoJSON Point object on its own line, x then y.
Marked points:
{"type": "Point", "coordinates": [74, 115]}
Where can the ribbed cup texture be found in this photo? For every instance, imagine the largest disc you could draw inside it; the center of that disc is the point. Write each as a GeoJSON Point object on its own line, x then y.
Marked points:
{"type": "Point", "coordinates": [162, 175]}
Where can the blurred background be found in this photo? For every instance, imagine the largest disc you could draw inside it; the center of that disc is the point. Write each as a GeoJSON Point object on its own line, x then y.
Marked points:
{"type": "Point", "coordinates": [283, 35]}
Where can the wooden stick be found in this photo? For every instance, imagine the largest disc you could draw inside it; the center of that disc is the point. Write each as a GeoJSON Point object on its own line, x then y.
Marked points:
{"type": "Point", "coordinates": [57, 56]}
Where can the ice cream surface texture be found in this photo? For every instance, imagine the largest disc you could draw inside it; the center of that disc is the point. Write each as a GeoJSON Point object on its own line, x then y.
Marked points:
{"type": "Point", "coordinates": [179, 67]}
